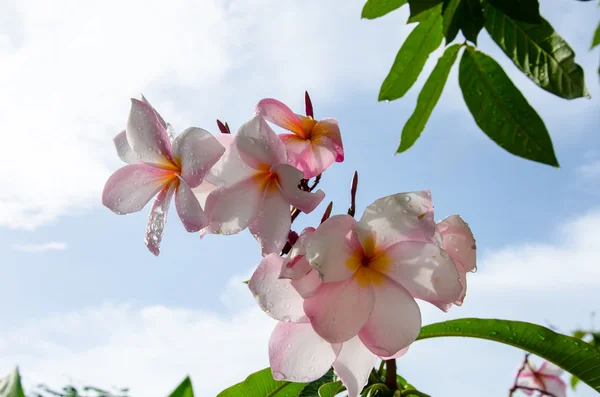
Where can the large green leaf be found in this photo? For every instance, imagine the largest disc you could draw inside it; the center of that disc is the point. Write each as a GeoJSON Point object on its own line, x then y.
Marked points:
{"type": "Point", "coordinates": [378, 8]}
{"type": "Point", "coordinates": [411, 58]}
{"type": "Point", "coordinates": [428, 98]}
{"type": "Point", "coordinates": [452, 18]}
{"type": "Point", "coordinates": [330, 389]}
{"type": "Point", "coordinates": [571, 354]}
{"type": "Point", "coordinates": [312, 389]}
{"type": "Point", "coordinates": [521, 10]}
{"type": "Point", "coordinates": [184, 389]}
{"type": "Point", "coordinates": [473, 20]}
{"type": "Point", "coordinates": [418, 6]}
{"type": "Point", "coordinates": [539, 52]}
{"type": "Point", "coordinates": [10, 385]}
{"type": "Point", "coordinates": [500, 109]}
{"type": "Point", "coordinates": [262, 384]}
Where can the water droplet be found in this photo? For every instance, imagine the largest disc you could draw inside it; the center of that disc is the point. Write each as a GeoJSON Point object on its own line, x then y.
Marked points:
{"type": "Point", "coordinates": [270, 305]}
{"type": "Point", "coordinates": [407, 199]}
{"type": "Point", "coordinates": [287, 305]}
{"type": "Point", "coordinates": [289, 345]}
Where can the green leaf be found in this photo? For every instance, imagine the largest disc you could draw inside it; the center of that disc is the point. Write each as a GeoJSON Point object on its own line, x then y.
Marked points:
{"type": "Point", "coordinates": [418, 6]}
{"type": "Point", "coordinates": [330, 389]}
{"type": "Point", "coordinates": [473, 20]}
{"type": "Point", "coordinates": [500, 109]}
{"type": "Point", "coordinates": [262, 384]}
{"type": "Point", "coordinates": [453, 16]}
{"type": "Point", "coordinates": [312, 389]}
{"type": "Point", "coordinates": [539, 52]}
{"type": "Point", "coordinates": [521, 10]}
{"type": "Point", "coordinates": [428, 98]}
{"type": "Point", "coordinates": [596, 39]}
{"type": "Point", "coordinates": [10, 385]}
{"type": "Point", "coordinates": [425, 15]}
{"type": "Point", "coordinates": [184, 389]}
{"type": "Point", "coordinates": [378, 8]}
{"type": "Point", "coordinates": [376, 390]}
{"type": "Point", "coordinates": [579, 334]}
{"type": "Point", "coordinates": [572, 355]}
{"type": "Point", "coordinates": [411, 58]}
{"type": "Point", "coordinates": [574, 382]}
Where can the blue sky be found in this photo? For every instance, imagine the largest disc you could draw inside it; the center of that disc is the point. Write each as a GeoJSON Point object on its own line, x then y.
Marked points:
{"type": "Point", "coordinates": [83, 300]}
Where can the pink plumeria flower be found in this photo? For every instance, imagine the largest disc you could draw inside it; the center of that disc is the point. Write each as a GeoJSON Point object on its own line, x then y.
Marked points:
{"type": "Point", "coordinates": [162, 169]}
{"type": "Point", "coordinates": [374, 269]}
{"type": "Point", "coordinates": [455, 237]}
{"type": "Point", "coordinates": [546, 378]}
{"type": "Point", "coordinates": [256, 188]}
{"type": "Point", "coordinates": [313, 145]}
{"type": "Point", "coordinates": [296, 352]}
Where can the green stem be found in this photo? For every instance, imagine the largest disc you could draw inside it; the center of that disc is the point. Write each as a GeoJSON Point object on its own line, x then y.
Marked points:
{"type": "Point", "coordinates": [279, 388]}
{"type": "Point", "coordinates": [413, 393]}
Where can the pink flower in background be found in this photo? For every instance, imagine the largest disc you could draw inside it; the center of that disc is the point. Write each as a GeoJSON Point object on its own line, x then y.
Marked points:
{"type": "Point", "coordinates": [373, 270]}
{"type": "Point", "coordinates": [456, 238]}
{"type": "Point", "coordinates": [161, 168]}
{"type": "Point", "coordinates": [313, 145]}
{"type": "Point", "coordinates": [256, 188]}
{"type": "Point", "coordinates": [546, 378]}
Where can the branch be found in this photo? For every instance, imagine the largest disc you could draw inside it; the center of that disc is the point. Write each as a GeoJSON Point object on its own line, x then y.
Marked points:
{"type": "Point", "coordinates": [353, 189]}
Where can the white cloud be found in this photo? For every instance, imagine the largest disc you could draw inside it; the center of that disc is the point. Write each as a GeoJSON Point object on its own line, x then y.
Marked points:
{"type": "Point", "coordinates": [42, 247]}
{"type": "Point", "coordinates": [68, 70]}
{"type": "Point", "coordinates": [589, 171]}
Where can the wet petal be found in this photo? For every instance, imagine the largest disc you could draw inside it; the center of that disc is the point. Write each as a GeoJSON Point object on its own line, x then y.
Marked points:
{"type": "Point", "coordinates": [276, 297]}
{"type": "Point", "coordinates": [289, 179]}
{"type": "Point", "coordinates": [188, 208]}
{"type": "Point", "coordinates": [353, 365]}
{"type": "Point", "coordinates": [319, 156]}
{"type": "Point", "coordinates": [130, 188]}
{"type": "Point", "coordinates": [279, 114]}
{"type": "Point", "coordinates": [402, 216]}
{"type": "Point", "coordinates": [330, 129]}
{"type": "Point", "coordinates": [258, 145]}
{"type": "Point", "coordinates": [424, 269]}
{"type": "Point", "coordinates": [339, 310]}
{"type": "Point", "coordinates": [295, 265]}
{"type": "Point", "coordinates": [308, 285]}
{"type": "Point", "coordinates": [459, 242]}
{"type": "Point", "coordinates": [158, 116]}
{"type": "Point", "coordinates": [272, 224]}
{"type": "Point", "coordinates": [202, 191]}
{"type": "Point", "coordinates": [231, 209]}
{"type": "Point", "coordinates": [397, 355]}
{"type": "Point", "coordinates": [197, 151]}
{"type": "Point", "coordinates": [298, 354]}
{"type": "Point", "coordinates": [147, 137]}
{"type": "Point", "coordinates": [295, 147]}
{"type": "Point", "coordinates": [395, 321]}
{"type": "Point", "coordinates": [334, 250]}
{"type": "Point", "coordinates": [554, 385]}
{"type": "Point", "coordinates": [124, 150]}
{"type": "Point", "coordinates": [230, 168]}
{"type": "Point", "coordinates": [158, 218]}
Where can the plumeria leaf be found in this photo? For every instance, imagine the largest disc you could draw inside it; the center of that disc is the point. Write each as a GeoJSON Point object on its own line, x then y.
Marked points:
{"type": "Point", "coordinates": [262, 384]}
{"type": "Point", "coordinates": [312, 389]}
{"type": "Point", "coordinates": [501, 110]}
{"type": "Point", "coordinates": [539, 52]}
{"type": "Point", "coordinates": [521, 10]}
{"type": "Point", "coordinates": [453, 18]}
{"type": "Point", "coordinates": [596, 39]}
{"type": "Point", "coordinates": [473, 20]}
{"type": "Point", "coordinates": [574, 382]}
{"type": "Point", "coordinates": [418, 6]}
{"type": "Point", "coordinates": [424, 15]}
{"type": "Point", "coordinates": [378, 8]}
{"type": "Point", "coordinates": [411, 58]}
{"type": "Point", "coordinates": [377, 390]}
{"type": "Point", "coordinates": [571, 354]}
{"type": "Point", "coordinates": [184, 389]}
{"type": "Point", "coordinates": [579, 334]}
{"type": "Point", "coordinates": [428, 98]}
{"type": "Point", "coordinates": [331, 389]}
{"type": "Point", "coordinates": [10, 385]}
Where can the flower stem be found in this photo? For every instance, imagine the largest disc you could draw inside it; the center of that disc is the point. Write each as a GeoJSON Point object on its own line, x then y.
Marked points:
{"type": "Point", "coordinates": [390, 374]}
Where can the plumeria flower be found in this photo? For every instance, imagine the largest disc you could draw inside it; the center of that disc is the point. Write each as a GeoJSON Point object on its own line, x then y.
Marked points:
{"type": "Point", "coordinates": [162, 169]}
{"type": "Point", "coordinates": [256, 188]}
{"type": "Point", "coordinates": [546, 378]}
{"type": "Point", "coordinates": [455, 237]}
{"type": "Point", "coordinates": [373, 270]}
{"type": "Point", "coordinates": [312, 145]}
{"type": "Point", "coordinates": [296, 352]}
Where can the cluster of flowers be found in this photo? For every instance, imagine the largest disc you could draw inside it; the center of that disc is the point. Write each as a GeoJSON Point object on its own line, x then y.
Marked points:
{"type": "Point", "coordinates": [543, 381]}
{"type": "Point", "coordinates": [345, 293]}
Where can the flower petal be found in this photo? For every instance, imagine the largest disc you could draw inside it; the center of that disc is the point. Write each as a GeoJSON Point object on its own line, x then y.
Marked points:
{"type": "Point", "coordinates": [319, 156]}
{"type": "Point", "coordinates": [188, 208]}
{"type": "Point", "coordinates": [339, 310]}
{"type": "Point", "coordinates": [147, 137]}
{"type": "Point", "coordinates": [158, 218]}
{"type": "Point", "coordinates": [124, 150]}
{"type": "Point", "coordinates": [554, 385]}
{"type": "Point", "coordinates": [308, 285]}
{"type": "Point", "coordinates": [231, 209]}
{"type": "Point", "coordinates": [295, 265]}
{"type": "Point", "coordinates": [295, 147]}
{"type": "Point", "coordinates": [459, 242]}
{"type": "Point", "coordinates": [258, 144]}
{"type": "Point", "coordinates": [202, 191]}
{"type": "Point", "coordinates": [196, 150]}
{"type": "Point", "coordinates": [398, 354]}
{"type": "Point", "coordinates": [230, 168]}
{"type": "Point", "coordinates": [272, 224]}
{"type": "Point", "coordinates": [334, 250]}
{"type": "Point", "coordinates": [274, 296]}
{"type": "Point", "coordinates": [548, 368]}
{"type": "Point", "coordinates": [329, 128]}
{"type": "Point", "coordinates": [131, 187]}
{"type": "Point", "coordinates": [353, 365]}
{"type": "Point", "coordinates": [395, 321]}
{"type": "Point", "coordinates": [402, 216]}
{"type": "Point", "coordinates": [298, 354]}
{"type": "Point", "coordinates": [424, 269]}
{"type": "Point", "coordinates": [158, 116]}
{"type": "Point", "coordinates": [289, 179]}
{"type": "Point", "coordinates": [279, 114]}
